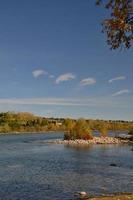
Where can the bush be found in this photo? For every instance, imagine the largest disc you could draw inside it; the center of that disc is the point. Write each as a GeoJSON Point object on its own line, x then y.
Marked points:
{"type": "Point", "coordinates": [131, 132]}
{"type": "Point", "coordinates": [79, 131]}
{"type": "Point", "coordinates": [103, 130]}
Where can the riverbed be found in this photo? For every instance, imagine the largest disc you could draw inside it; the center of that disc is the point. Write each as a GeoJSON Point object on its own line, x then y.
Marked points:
{"type": "Point", "coordinates": [33, 169]}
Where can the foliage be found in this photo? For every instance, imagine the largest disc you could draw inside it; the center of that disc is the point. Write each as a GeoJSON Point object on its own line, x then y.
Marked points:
{"type": "Point", "coordinates": [80, 130]}
{"type": "Point", "coordinates": [119, 27]}
{"type": "Point", "coordinates": [27, 122]}
{"type": "Point", "coordinates": [69, 124]}
{"type": "Point", "coordinates": [103, 130]}
{"type": "Point", "coordinates": [111, 125]}
{"type": "Point", "coordinates": [23, 122]}
{"type": "Point", "coordinates": [131, 132]}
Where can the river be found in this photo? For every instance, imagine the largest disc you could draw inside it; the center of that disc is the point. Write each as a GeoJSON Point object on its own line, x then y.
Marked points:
{"type": "Point", "coordinates": [33, 169]}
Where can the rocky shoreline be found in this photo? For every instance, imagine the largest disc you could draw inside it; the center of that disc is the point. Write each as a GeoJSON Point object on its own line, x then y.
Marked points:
{"type": "Point", "coordinates": [95, 140]}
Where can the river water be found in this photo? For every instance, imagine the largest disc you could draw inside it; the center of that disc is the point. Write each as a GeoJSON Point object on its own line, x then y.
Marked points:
{"type": "Point", "coordinates": [33, 169]}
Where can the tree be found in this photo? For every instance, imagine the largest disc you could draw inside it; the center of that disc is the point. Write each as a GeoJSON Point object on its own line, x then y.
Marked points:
{"type": "Point", "coordinates": [119, 27]}
{"type": "Point", "coordinates": [103, 131]}
{"type": "Point", "coordinates": [69, 124]}
{"type": "Point", "coordinates": [80, 130]}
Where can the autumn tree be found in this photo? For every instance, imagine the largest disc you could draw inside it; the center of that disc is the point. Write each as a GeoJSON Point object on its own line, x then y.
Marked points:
{"type": "Point", "coordinates": [103, 130]}
{"type": "Point", "coordinates": [119, 26]}
{"type": "Point", "coordinates": [69, 124]}
{"type": "Point", "coordinates": [80, 130]}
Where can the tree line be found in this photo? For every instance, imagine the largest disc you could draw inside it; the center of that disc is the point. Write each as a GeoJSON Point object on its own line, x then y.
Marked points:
{"type": "Point", "coordinates": [83, 129]}
{"type": "Point", "coordinates": [27, 122]}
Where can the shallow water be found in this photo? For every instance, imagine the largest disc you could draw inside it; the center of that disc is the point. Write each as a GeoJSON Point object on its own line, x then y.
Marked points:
{"type": "Point", "coordinates": [32, 169]}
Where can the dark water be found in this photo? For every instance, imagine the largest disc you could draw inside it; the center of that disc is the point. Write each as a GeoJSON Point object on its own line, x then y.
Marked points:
{"type": "Point", "coordinates": [33, 170]}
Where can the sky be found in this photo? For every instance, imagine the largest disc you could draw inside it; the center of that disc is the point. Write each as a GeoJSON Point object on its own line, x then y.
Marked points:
{"type": "Point", "coordinates": [54, 61]}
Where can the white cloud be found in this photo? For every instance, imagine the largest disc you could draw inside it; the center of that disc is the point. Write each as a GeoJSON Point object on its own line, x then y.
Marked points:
{"type": "Point", "coordinates": [105, 101]}
{"type": "Point", "coordinates": [65, 77]}
{"type": "Point", "coordinates": [118, 78]}
{"type": "Point", "coordinates": [87, 81]}
{"type": "Point", "coordinates": [38, 72]}
{"type": "Point", "coordinates": [126, 91]}
{"type": "Point", "coordinates": [51, 76]}
{"type": "Point", "coordinates": [45, 101]}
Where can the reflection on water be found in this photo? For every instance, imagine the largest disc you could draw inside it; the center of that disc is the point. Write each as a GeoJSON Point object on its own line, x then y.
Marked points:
{"type": "Point", "coordinates": [32, 169]}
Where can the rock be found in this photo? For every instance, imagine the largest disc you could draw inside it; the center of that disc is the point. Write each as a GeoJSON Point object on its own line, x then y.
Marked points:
{"type": "Point", "coordinates": [83, 193]}
{"type": "Point", "coordinates": [113, 165]}
{"type": "Point", "coordinates": [131, 138]}
{"type": "Point", "coordinates": [95, 140]}
{"type": "Point", "coordinates": [125, 137]}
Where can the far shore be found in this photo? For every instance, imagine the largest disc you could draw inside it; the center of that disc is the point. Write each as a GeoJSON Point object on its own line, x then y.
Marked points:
{"type": "Point", "coordinates": [29, 132]}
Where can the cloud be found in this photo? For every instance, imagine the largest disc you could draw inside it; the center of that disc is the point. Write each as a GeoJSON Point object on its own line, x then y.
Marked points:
{"type": "Point", "coordinates": [51, 76]}
{"type": "Point", "coordinates": [105, 101]}
{"type": "Point", "coordinates": [38, 72]}
{"type": "Point", "coordinates": [126, 91]}
{"type": "Point", "coordinates": [118, 78]}
{"type": "Point", "coordinates": [65, 77]}
{"type": "Point", "coordinates": [87, 81]}
{"type": "Point", "coordinates": [45, 101]}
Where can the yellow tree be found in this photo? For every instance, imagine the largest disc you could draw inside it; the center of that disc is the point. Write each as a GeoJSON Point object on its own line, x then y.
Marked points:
{"type": "Point", "coordinates": [69, 124]}
{"type": "Point", "coordinates": [80, 130]}
{"type": "Point", "coordinates": [103, 129]}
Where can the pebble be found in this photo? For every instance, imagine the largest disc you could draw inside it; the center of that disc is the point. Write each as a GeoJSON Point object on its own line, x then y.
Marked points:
{"type": "Point", "coordinates": [95, 140]}
{"type": "Point", "coordinates": [83, 193]}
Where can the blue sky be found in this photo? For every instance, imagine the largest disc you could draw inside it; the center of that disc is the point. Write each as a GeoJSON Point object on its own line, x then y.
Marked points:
{"type": "Point", "coordinates": [54, 61]}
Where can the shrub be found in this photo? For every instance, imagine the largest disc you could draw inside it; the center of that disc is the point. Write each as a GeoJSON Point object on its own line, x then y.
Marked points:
{"type": "Point", "coordinates": [79, 131]}
{"type": "Point", "coordinates": [103, 130]}
{"type": "Point", "coordinates": [131, 132]}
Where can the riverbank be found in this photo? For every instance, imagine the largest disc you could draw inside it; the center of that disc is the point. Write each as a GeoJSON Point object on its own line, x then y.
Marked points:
{"type": "Point", "coordinates": [95, 140]}
{"type": "Point", "coordinates": [112, 197]}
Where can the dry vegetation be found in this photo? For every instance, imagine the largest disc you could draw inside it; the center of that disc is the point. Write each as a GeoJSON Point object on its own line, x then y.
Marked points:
{"type": "Point", "coordinates": [74, 129]}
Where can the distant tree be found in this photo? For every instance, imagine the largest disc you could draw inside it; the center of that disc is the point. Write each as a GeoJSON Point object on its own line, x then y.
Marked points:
{"type": "Point", "coordinates": [5, 128]}
{"type": "Point", "coordinates": [119, 27]}
{"type": "Point", "coordinates": [81, 129]}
